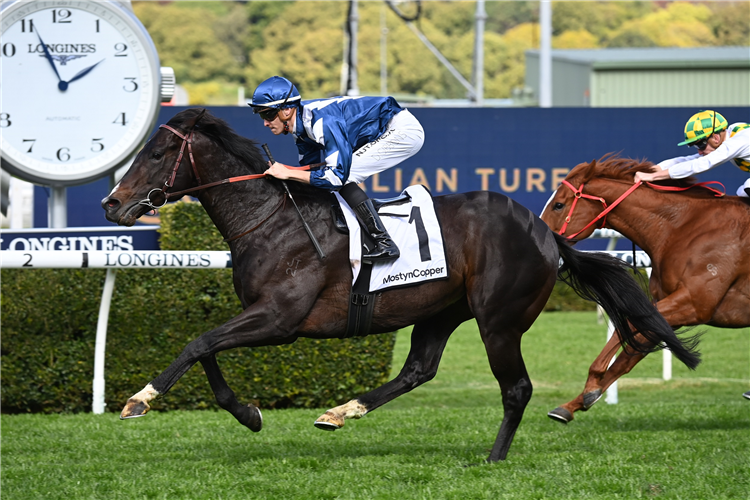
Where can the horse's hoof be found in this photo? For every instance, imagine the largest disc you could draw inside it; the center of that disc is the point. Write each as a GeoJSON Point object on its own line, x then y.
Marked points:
{"type": "Point", "coordinates": [590, 398]}
{"type": "Point", "coordinates": [134, 409]}
{"type": "Point", "coordinates": [329, 422]}
{"type": "Point", "coordinates": [251, 418]}
{"type": "Point", "coordinates": [561, 415]}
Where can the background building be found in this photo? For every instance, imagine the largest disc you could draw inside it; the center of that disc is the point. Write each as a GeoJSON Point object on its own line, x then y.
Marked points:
{"type": "Point", "coordinates": [645, 77]}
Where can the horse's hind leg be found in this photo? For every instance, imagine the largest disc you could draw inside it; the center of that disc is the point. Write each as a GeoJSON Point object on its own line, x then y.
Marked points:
{"type": "Point", "coordinates": [595, 386]}
{"type": "Point", "coordinates": [592, 391]}
{"type": "Point", "coordinates": [504, 353]}
{"type": "Point", "coordinates": [428, 341]}
{"type": "Point", "coordinates": [248, 415]}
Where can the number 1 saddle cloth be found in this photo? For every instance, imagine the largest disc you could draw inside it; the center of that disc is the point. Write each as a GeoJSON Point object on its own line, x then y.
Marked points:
{"type": "Point", "coordinates": [412, 223]}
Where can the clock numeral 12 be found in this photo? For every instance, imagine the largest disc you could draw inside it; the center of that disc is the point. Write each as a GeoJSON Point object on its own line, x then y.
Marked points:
{"type": "Point", "coordinates": [60, 16]}
{"type": "Point", "coordinates": [121, 119]}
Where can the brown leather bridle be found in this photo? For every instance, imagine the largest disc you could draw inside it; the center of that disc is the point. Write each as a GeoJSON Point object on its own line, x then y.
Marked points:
{"type": "Point", "coordinates": [187, 140]}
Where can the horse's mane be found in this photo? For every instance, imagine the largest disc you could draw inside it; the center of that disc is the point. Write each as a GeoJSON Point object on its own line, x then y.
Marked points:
{"type": "Point", "coordinates": [246, 150]}
{"type": "Point", "coordinates": [612, 166]}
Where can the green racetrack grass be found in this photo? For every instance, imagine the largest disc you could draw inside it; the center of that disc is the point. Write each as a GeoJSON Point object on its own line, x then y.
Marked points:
{"type": "Point", "coordinates": [687, 438]}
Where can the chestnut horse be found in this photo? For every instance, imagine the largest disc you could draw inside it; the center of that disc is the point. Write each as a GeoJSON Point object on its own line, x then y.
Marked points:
{"type": "Point", "coordinates": [699, 244]}
{"type": "Point", "coordinates": [503, 262]}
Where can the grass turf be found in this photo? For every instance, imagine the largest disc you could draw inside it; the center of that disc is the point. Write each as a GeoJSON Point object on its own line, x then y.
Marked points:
{"type": "Point", "coordinates": [686, 438]}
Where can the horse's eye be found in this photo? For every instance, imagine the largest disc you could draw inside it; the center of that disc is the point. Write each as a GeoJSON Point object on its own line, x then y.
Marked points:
{"type": "Point", "coordinates": [156, 156]}
{"type": "Point", "coordinates": [558, 206]}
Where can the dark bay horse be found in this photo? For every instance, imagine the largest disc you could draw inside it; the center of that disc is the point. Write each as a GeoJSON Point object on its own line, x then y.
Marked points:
{"type": "Point", "coordinates": [699, 246]}
{"type": "Point", "coordinates": [503, 263]}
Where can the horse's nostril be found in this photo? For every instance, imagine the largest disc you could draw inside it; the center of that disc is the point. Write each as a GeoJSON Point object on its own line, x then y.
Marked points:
{"type": "Point", "coordinates": [110, 203]}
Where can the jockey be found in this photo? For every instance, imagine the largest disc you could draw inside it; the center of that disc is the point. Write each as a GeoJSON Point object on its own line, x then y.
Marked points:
{"type": "Point", "coordinates": [717, 142]}
{"type": "Point", "coordinates": [355, 137]}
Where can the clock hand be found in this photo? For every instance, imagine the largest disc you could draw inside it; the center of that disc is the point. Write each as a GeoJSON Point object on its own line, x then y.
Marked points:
{"type": "Point", "coordinates": [49, 58]}
{"type": "Point", "coordinates": [82, 73]}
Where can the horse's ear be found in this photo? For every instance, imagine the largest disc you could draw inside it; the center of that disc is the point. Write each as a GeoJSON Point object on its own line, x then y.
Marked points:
{"type": "Point", "coordinates": [190, 123]}
{"type": "Point", "coordinates": [589, 171]}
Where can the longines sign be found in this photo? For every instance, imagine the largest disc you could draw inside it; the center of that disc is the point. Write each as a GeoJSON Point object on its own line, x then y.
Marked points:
{"type": "Point", "coordinates": [81, 238]}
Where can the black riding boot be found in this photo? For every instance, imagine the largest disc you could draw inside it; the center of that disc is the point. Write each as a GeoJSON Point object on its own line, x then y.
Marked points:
{"type": "Point", "coordinates": [386, 249]}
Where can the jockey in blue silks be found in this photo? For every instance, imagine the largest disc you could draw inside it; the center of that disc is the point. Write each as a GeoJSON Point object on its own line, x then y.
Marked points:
{"type": "Point", "coordinates": [355, 137]}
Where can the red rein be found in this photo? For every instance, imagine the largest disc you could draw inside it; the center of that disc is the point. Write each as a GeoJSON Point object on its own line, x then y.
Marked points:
{"type": "Point", "coordinates": [188, 139]}
{"type": "Point", "coordinates": [603, 214]}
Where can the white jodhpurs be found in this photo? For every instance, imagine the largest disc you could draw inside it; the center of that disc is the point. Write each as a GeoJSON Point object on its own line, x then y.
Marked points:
{"type": "Point", "coordinates": [741, 190]}
{"type": "Point", "coordinates": [402, 140]}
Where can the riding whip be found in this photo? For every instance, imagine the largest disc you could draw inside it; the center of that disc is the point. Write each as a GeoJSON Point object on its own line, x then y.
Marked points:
{"type": "Point", "coordinates": [304, 223]}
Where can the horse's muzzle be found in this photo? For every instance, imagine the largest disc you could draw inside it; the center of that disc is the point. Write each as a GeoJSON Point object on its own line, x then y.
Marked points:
{"type": "Point", "coordinates": [124, 216]}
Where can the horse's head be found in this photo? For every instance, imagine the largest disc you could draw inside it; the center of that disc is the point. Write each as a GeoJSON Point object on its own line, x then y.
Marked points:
{"type": "Point", "coordinates": [569, 209]}
{"type": "Point", "coordinates": [580, 205]}
{"type": "Point", "coordinates": [162, 166]}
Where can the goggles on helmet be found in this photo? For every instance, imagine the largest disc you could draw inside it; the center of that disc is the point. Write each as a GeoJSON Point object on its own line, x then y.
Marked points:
{"type": "Point", "coordinates": [270, 113]}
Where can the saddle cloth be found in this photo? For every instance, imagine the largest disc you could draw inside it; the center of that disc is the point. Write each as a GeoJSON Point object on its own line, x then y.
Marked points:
{"type": "Point", "coordinates": [415, 229]}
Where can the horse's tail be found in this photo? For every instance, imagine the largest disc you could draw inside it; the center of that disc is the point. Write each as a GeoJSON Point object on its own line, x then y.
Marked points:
{"type": "Point", "coordinates": [606, 280]}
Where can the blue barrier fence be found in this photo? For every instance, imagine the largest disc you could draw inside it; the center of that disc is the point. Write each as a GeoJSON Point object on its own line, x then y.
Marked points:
{"type": "Point", "coordinates": [522, 152]}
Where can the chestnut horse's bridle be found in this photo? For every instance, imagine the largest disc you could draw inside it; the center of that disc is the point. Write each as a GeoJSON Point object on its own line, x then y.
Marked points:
{"type": "Point", "coordinates": [607, 209]}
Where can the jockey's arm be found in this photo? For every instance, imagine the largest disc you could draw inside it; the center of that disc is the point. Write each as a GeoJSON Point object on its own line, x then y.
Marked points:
{"type": "Point", "coordinates": [651, 176]}
{"type": "Point", "coordinates": [281, 171]}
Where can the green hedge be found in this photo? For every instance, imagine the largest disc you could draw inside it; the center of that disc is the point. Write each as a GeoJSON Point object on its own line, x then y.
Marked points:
{"type": "Point", "coordinates": [49, 327]}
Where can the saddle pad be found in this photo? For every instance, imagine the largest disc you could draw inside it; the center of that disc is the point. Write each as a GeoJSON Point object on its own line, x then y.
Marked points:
{"type": "Point", "coordinates": [415, 229]}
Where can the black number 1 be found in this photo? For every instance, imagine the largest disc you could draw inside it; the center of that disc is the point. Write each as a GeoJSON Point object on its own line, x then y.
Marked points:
{"type": "Point", "coordinates": [422, 237]}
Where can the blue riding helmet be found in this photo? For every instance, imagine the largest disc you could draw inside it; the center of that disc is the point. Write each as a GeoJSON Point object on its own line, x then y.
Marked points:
{"type": "Point", "coordinates": [277, 93]}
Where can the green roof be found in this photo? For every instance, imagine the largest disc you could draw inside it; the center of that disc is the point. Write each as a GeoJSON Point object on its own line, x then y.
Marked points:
{"type": "Point", "coordinates": [655, 58]}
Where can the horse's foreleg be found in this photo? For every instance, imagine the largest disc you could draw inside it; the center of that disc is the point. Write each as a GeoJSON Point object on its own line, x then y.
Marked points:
{"type": "Point", "coordinates": [248, 415]}
{"type": "Point", "coordinates": [593, 389]}
{"type": "Point", "coordinates": [255, 326]}
{"type": "Point", "coordinates": [428, 341]}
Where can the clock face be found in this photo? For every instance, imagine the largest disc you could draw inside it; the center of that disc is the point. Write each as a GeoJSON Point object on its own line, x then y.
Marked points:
{"type": "Point", "coordinates": [79, 89]}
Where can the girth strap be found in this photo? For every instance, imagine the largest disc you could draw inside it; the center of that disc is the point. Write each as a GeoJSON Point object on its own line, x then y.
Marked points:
{"type": "Point", "coordinates": [361, 305]}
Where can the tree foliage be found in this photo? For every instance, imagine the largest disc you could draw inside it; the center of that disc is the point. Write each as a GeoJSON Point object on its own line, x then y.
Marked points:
{"type": "Point", "coordinates": [217, 46]}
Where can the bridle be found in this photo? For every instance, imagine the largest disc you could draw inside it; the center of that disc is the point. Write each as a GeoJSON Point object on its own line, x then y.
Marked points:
{"type": "Point", "coordinates": [578, 193]}
{"type": "Point", "coordinates": [187, 140]}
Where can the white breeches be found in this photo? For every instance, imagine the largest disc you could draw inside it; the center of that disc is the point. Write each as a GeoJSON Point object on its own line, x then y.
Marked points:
{"type": "Point", "coordinates": [741, 190]}
{"type": "Point", "coordinates": [402, 140]}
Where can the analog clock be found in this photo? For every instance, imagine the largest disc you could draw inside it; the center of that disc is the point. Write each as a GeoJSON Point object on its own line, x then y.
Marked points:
{"type": "Point", "coordinates": [80, 88]}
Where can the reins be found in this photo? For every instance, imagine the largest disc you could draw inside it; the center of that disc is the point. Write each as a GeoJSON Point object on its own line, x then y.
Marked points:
{"type": "Point", "coordinates": [607, 209]}
{"type": "Point", "coordinates": [187, 140]}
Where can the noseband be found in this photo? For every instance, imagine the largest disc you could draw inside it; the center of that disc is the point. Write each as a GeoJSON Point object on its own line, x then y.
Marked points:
{"type": "Point", "coordinates": [602, 215]}
{"type": "Point", "coordinates": [607, 209]}
{"type": "Point", "coordinates": [187, 140]}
